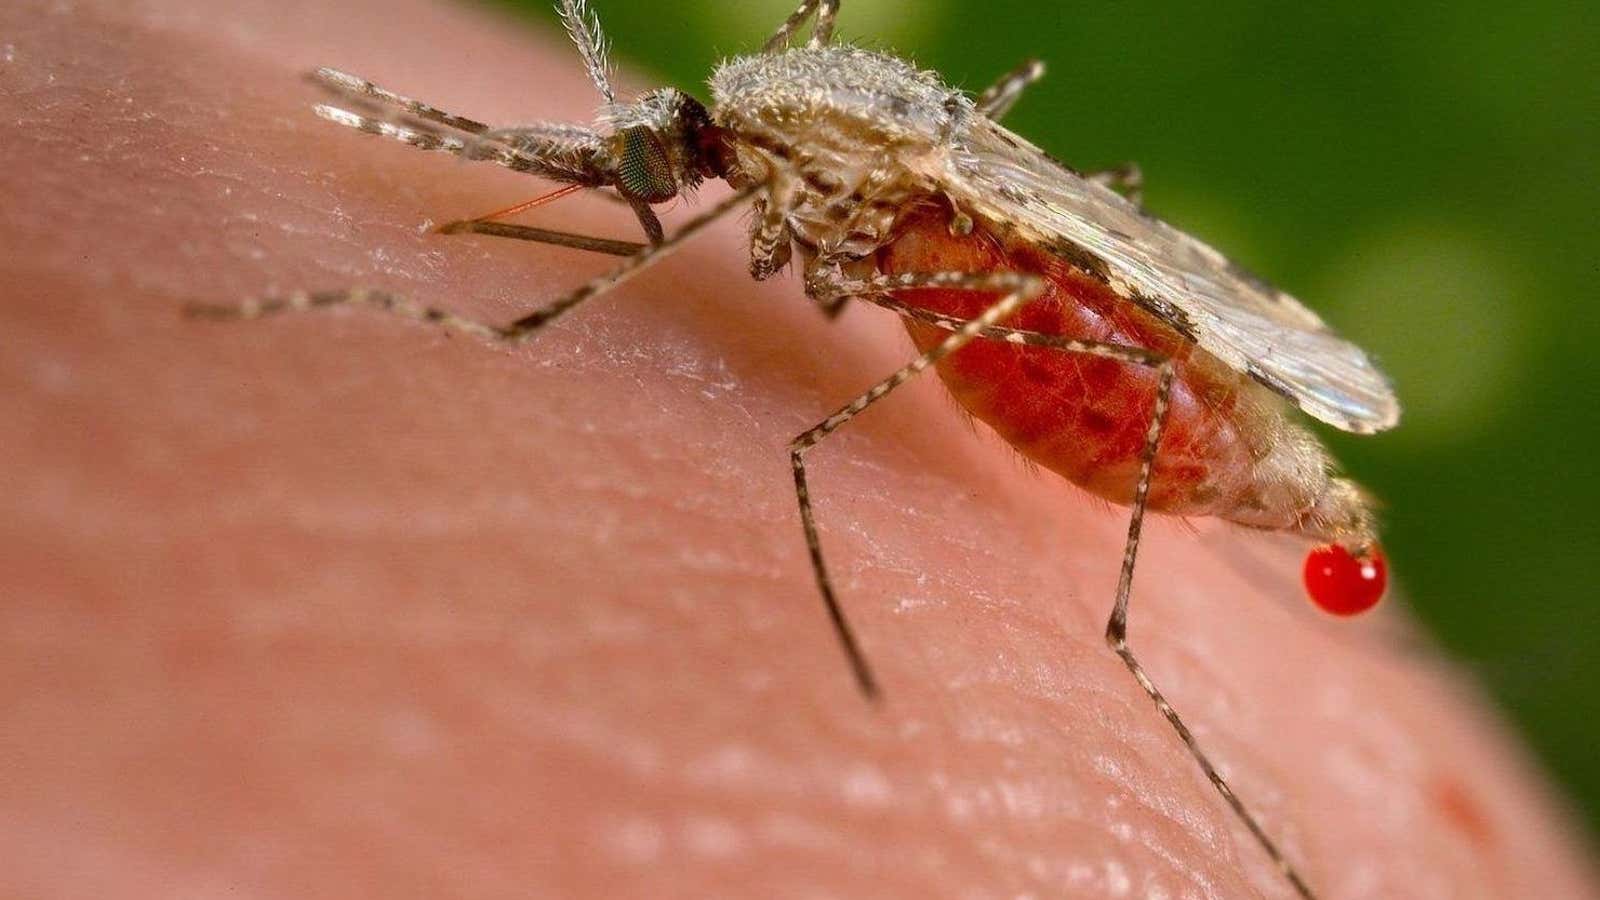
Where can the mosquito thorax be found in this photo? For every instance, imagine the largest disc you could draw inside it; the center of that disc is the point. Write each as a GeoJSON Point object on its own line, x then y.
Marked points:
{"type": "Point", "coordinates": [840, 134]}
{"type": "Point", "coordinates": [836, 97]}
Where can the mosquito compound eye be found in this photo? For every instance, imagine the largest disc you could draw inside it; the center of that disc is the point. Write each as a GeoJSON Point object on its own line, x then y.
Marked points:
{"type": "Point", "coordinates": [1344, 583]}
{"type": "Point", "coordinates": [644, 171]}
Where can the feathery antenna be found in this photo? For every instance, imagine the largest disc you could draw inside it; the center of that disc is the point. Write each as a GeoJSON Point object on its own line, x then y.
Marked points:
{"type": "Point", "coordinates": [583, 26]}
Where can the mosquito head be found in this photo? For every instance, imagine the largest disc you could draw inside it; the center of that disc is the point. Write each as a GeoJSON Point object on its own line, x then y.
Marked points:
{"type": "Point", "coordinates": [662, 145]}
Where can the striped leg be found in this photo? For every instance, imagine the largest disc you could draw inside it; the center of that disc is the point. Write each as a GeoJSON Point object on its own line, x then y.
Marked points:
{"type": "Point", "coordinates": [875, 291]}
{"type": "Point", "coordinates": [770, 245]}
{"type": "Point", "coordinates": [998, 99]}
{"type": "Point", "coordinates": [519, 330]}
{"type": "Point", "coordinates": [821, 32]}
{"type": "Point", "coordinates": [1018, 288]}
{"type": "Point", "coordinates": [1117, 637]}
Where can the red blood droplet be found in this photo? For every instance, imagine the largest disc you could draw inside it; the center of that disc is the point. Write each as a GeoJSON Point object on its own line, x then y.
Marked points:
{"type": "Point", "coordinates": [1342, 583]}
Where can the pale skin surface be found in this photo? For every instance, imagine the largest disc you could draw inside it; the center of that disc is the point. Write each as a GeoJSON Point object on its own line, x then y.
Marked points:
{"type": "Point", "coordinates": [336, 606]}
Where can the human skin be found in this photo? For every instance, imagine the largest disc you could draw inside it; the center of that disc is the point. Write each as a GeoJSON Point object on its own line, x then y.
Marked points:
{"type": "Point", "coordinates": [337, 605]}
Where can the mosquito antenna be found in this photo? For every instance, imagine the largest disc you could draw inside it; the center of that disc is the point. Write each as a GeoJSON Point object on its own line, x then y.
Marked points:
{"type": "Point", "coordinates": [583, 26]}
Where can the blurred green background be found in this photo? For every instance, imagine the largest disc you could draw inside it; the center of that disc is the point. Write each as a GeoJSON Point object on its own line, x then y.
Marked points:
{"type": "Point", "coordinates": [1424, 174]}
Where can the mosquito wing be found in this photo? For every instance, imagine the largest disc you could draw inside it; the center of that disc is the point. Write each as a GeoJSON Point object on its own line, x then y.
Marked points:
{"type": "Point", "coordinates": [1246, 323]}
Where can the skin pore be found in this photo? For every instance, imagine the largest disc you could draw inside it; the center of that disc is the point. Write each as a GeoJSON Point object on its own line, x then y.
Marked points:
{"type": "Point", "coordinates": [337, 604]}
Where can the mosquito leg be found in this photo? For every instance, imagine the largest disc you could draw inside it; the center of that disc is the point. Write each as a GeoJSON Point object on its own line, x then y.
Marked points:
{"type": "Point", "coordinates": [875, 291]}
{"type": "Point", "coordinates": [770, 244]}
{"type": "Point", "coordinates": [999, 97]}
{"type": "Point", "coordinates": [1018, 289]}
{"type": "Point", "coordinates": [1126, 179]}
{"type": "Point", "coordinates": [820, 33]}
{"type": "Point", "coordinates": [519, 330]}
{"type": "Point", "coordinates": [822, 29]}
{"type": "Point", "coordinates": [302, 301]}
{"type": "Point", "coordinates": [1117, 637]}
{"type": "Point", "coordinates": [1127, 353]}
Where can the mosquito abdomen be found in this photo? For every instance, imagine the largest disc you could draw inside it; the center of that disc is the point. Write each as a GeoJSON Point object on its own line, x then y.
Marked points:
{"type": "Point", "coordinates": [1228, 450]}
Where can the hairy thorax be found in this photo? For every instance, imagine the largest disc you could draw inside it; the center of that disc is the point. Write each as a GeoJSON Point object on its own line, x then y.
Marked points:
{"type": "Point", "coordinates": [841, 134]}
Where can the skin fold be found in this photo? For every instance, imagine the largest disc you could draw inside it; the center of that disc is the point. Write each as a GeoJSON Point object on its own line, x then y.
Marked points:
{"type": "Point", "coordinates": [337, 605]}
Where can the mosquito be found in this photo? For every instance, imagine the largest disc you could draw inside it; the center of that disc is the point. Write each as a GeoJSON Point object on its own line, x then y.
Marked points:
{"type": "Point", "coordinates": [1100, 342]}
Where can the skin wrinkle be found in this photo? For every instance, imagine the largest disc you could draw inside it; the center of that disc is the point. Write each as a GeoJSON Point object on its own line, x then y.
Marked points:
{"type": "Point", "coordinates": [335, 600]}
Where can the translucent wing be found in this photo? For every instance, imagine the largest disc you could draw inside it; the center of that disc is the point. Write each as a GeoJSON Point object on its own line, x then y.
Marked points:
{"type": "Point", "coordinates": [1246, 323]}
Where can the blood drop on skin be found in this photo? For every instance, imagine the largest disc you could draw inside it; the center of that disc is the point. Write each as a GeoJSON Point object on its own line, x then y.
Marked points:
{"type": "Point", "coordinates": [1342, 583]}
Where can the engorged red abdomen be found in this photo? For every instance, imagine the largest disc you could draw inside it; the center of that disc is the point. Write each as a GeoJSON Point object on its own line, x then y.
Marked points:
{"type": "Point", "coordinates": [1083, 416]}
